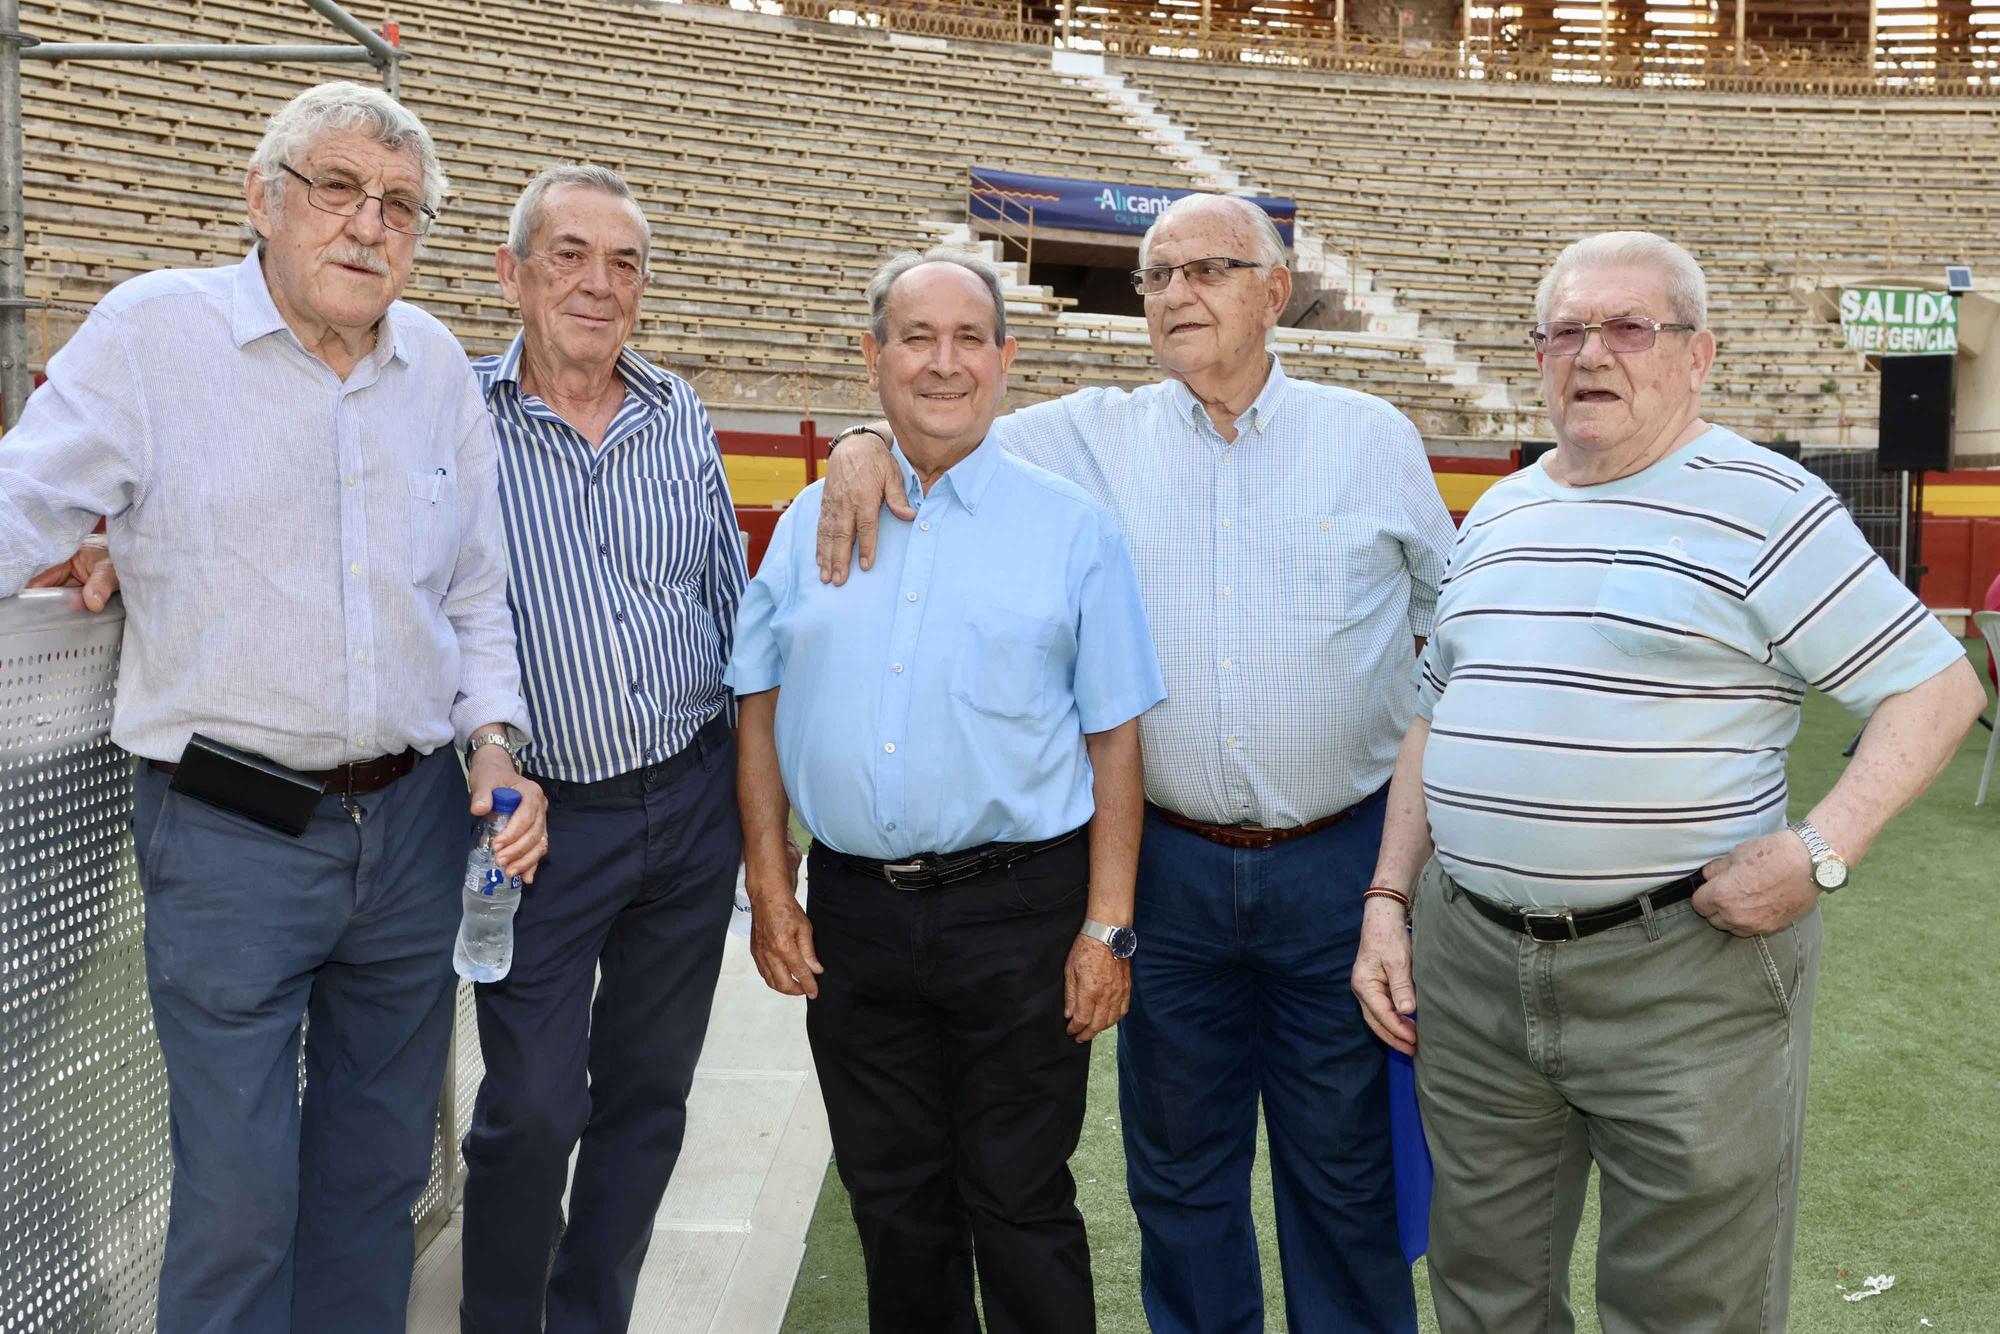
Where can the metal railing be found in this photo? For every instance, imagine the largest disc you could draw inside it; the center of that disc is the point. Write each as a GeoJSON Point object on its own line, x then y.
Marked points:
{"type": "Point", "coordinates": [1007, 218]}
{"type": "Point", "coordinates": [84, 1167]}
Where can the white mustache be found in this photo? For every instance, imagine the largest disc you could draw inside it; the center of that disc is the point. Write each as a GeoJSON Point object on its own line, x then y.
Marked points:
{"type": "Point", "coordinates": [359, 258]}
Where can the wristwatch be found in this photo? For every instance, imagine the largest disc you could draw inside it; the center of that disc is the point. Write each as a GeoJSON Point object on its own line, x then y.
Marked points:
{"type": "Point", "coordinates": [857, 430]}
{"type": "Point", "coordinates": [1829, 872]}
{"type": "Point", "coordinates": [509, 741]}
{"type": "Point", "coordinates": [1122, 941]}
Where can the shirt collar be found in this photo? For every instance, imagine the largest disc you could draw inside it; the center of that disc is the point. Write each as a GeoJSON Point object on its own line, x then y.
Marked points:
{"type": "Point", "coordinates": [1257, 417]}
{"type": "Point", "coordinates": [966, 479]}
{"type": "Point", "coordinates": [641, 376]}
{"type": "Point", "coordinates": [253, 314]}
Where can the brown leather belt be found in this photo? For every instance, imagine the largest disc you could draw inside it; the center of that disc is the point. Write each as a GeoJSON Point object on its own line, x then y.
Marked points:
{"type": "Point", "coordinates": [1251, 836]}
{"type": "Point", "coordinates": [354, 780]}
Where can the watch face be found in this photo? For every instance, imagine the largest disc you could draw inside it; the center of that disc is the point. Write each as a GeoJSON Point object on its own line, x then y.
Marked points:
{"type": "Point", "coordinates": [1124, 942]}
{"type": "Point", "coordinates": [1830, 873]}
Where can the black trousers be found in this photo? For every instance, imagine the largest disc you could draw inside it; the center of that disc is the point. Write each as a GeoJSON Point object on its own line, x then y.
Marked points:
{"type": "Point", "coordinates": [594, 1036]}
{"type": "Point", "coordinates": [954, 1095]}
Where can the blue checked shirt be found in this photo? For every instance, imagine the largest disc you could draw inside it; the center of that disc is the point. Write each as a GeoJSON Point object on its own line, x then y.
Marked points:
{"type": "Point", "coordinates": [940, 700]}
{"type": "Point", "coordinates": [1284, 575]}
{"type": "Point", "coordinates": [627, 569]}
{"type": "Point", "coordinates": [312, 567]}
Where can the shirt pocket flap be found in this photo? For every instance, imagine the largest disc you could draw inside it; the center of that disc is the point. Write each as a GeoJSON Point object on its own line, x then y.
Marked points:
{"type": "Point", "coordinates": [1644, 608]}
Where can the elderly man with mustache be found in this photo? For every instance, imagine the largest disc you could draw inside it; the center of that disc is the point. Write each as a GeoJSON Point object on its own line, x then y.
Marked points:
{"type": "Point", "coordinates": [298, 810]}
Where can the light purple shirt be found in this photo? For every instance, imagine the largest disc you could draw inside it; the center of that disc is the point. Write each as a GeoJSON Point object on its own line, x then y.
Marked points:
{"type": "Point", "coordinates": [313, 568]}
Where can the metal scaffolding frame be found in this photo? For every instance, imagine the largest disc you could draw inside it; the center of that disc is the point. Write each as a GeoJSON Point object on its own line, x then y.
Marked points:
{"type": "Point", "coordinates": [16, 380]}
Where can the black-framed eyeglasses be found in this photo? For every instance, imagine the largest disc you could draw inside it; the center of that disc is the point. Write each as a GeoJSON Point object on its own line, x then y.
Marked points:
{"type": "Point", "coordinates": [1627, 333]}
{"type": "Point", "coordinates": [330, 194]}
{"type": "Point", "coordinates": [1212, 271]}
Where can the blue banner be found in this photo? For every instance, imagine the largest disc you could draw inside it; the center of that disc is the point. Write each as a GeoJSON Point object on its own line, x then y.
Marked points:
{"type": "Point", "coordinates": [1065, 203]}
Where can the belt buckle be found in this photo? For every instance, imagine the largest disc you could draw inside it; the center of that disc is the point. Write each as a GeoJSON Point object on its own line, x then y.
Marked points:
{"type": "Point", "coordinates": [891, 870]}
{"type": "Point", "coordinates": [1563, 919]}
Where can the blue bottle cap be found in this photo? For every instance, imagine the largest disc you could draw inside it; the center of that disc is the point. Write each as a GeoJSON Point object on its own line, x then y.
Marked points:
{"type": "Point", "coordinates": [506, 800]}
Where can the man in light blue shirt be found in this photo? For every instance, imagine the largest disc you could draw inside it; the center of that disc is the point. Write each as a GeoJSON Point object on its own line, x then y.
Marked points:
{"type": "Point", "coordinates": [298, 474]}
{"type": "Point", "coordinates": [1289, 541]}
{"type": "Point", "coordinates": [957, 729]}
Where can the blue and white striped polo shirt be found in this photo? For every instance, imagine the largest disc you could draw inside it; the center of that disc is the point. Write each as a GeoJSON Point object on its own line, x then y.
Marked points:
{"type": "Point", "coordinates": [626, 570]}
{"type": "Point", "coordinates": [1616, 670]}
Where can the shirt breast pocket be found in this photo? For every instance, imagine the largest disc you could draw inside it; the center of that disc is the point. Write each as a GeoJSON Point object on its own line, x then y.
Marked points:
{"type": "Point", "coordinates": [671, 523]}
{"type": "Point", "coordinates": [1642, 609]}
{"type": "Point", "coordinates": [1000, 666]}
{"type": "Point", "coordinates": [433, 529]}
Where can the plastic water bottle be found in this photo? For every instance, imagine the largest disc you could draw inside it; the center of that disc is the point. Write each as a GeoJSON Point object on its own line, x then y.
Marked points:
{"type": "Point", "coordinates": [739, 921]}
{"type": "Point", "coordinates": [485, 949]}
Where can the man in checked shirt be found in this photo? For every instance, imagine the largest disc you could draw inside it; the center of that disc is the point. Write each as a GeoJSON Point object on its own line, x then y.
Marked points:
{"type": "Point", "coordinates": [626, 571]}
{"type": "Point", "coordinates": [1289, 541]}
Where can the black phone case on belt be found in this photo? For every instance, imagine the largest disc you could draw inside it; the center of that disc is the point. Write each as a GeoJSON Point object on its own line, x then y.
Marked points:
{"type": "Point", "coordinates": [250, 785]}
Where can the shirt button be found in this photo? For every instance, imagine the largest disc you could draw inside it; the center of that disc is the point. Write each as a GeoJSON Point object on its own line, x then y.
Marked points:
{"type": "Point", "coordinates": [896, 667]}
{"type": "Point", "coordinates": [911, 596]}
{"type": "Point", "coordinates": [353, 482]}
{"type": "Point", "coordinates": [888, 748]}
{"type": "Point", "coordinates": [636, 687]}
{"type": "Point", "coordinates": [1229, 741]}
{"type": "Point", "coordinates": [354, 568]}
{"type": "Point", "coordinates": [1325, 525]}
{"type": "Point", "coordinates": [925, 525]}
{"type": "Point", "coordinates": [1225, 590]}
{"type": "Point", "coordinates": [618, 616]}
{"type": "Point", "coordinates": [604, 548]}
{"type": "Point", "coordinates": [1227, 522]}
{"type": "Point", "coordinates": [361, 741]}
{"type": "Point", "coordinates": [1227, 663]}
{"type": "Point", "coordinates": [1228, 454]}
{"type": "Point", "coordinates": [362, 656]}
{"type": "Point", "coordinates": [891, 826]}
{"type": "Point", "coordinates": [595, 473]}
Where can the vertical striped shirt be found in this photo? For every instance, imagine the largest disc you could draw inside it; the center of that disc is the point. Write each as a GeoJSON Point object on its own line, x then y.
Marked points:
{"type": "Point", "coordinates": [1617, 669]}
{"type": "Point", "coordinates": [1284, 574]}
{"type": "Point", "coordinates": [627, 570]}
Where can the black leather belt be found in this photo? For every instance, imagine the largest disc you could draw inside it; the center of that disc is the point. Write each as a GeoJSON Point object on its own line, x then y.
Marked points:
{"type": "Point", "coordinates": [1554, 925]}
{"type": "Point", "coordinates": [354, 780]}
{"type": "Point", "coordinates": [933, 870]}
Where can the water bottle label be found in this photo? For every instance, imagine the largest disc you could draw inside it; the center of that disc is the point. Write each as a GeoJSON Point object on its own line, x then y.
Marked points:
{"type": "Point", "coordinates": [489, 884]}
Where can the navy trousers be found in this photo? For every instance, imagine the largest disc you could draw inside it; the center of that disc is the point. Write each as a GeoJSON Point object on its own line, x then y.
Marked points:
{"type": "Point", "coordinates": [1240, 992]}
{"type": "Point", "coordinates": [287, 1217]}
{"type": "Point", "coordinates": [632, 904]}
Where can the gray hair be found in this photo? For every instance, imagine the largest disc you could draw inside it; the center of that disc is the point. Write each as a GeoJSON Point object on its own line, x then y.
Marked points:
{"type": "Point", "coordinates": [332, 107]}
{"type": "Point", "coordinates": [1270, 241]}
{"type": "Point", "coordinates": [1687, 286]}
{"type": "Point", "coordinates": [526, 217]}
{"type": "Point", "coordinates": [886, 276]}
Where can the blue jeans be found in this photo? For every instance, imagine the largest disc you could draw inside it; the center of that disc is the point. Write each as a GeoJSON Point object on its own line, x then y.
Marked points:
{"type": "Point", "coordinates": [287, 1217]}
{"type": "Point", "coordinates": [630, 907]}
{"type": "Point", "coordinates": [1240, 991]}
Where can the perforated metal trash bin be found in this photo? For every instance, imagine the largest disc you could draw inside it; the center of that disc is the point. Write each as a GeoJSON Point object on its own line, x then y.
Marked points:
{"type": "Point", "coordinates": [84, 1171]}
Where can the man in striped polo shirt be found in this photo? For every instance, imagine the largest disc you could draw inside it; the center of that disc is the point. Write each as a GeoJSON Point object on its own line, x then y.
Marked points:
{"type": "Point", "coordinates": [1615, 959]}
{"type": "Point", "coordinates": [626, 572]}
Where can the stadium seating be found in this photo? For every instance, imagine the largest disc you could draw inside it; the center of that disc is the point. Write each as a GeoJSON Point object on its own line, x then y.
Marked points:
{"type": "Point", "coordinates": [781, 159]}
{"type": "Point", "coordinates": [1456, 197]}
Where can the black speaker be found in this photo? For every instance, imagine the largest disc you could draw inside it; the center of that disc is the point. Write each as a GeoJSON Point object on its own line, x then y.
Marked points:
{"type": "Point", "coordinates": [1531, 450]}
{"type": "Point", "coordinates": [1916, 413]}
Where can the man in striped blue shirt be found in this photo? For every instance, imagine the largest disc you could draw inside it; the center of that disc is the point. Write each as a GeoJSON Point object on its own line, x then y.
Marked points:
{"type": "Point", "coordinates": [1289, 540]}
{"type": "Point", "coordinates": [1615, 961]}
{"type": "Point", "coordinates": [627, 569]}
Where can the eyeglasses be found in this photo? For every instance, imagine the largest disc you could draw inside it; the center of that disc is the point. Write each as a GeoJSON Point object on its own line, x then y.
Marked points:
{"type": "Point", "coordinates": [1210, 272]}
{"type": "Point", "coordinates": [330, 194]}
{"type": "Point", "coordinates": [1627, 333]}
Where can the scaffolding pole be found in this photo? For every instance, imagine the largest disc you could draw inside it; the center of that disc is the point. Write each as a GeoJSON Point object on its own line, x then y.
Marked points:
{"type": "Point", "coordinates": [16, 381]}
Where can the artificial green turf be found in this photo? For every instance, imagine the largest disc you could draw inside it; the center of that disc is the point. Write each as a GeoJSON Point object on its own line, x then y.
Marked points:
{"type": "Point", "coordinates": [1902, 1169]}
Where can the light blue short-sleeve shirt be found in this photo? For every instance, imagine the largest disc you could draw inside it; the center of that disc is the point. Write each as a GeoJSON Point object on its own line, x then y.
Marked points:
{"type": "Point", "coordinates": [940, 700]}
{"type": "Point", "coordinates": [1616, 670]}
